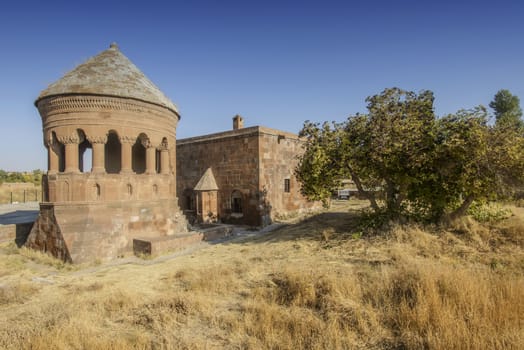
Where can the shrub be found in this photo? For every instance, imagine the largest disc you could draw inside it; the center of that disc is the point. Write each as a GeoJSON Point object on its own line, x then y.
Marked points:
{"type": "Point", "coordinates": [488, 212]}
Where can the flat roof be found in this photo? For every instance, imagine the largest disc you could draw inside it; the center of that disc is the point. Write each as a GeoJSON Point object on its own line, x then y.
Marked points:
{"type": "Point", "coordinates": [249, 131]}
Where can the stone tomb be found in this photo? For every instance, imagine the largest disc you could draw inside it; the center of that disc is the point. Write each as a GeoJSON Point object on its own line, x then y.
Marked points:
{"type": "Point", "coordinates": [106, 112]}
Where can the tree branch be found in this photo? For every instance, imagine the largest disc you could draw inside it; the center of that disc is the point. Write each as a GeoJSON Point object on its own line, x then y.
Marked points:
{"type": "Point", "coordinates": [369, 195]}
{"type": "Point", "coordinates": [461, 211]}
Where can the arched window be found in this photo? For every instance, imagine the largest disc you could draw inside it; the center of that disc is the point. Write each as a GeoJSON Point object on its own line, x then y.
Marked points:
{"type": "Point", "coordinates": [59, 149]}
{"type": "Point", "coordinates": [155, 190]}
{"type": "Point", "coordinates": [157, 161]}
{"type": "Point", "coordinates": [236, 202]}
{"type": "Point", "coordinates": [138, 162]}
{"type": "Point", "coordinates": [129, 190]}
{"type": "Point", "coordinates": [113, 153]}
{"type": "Point", "coordinates": [85, 153]}
{"type": "Point", "coordinates": [97, 191]}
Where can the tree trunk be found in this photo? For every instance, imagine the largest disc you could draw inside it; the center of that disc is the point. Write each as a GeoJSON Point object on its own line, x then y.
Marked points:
{"type": "Point", "coordinates": [369, 195]}
{"type": "Point", "coordinates": [399, 197]}
{"type": "Point", "coordinates": [461, 211]}
{"type": "Point", "coordinates": [390, 197]}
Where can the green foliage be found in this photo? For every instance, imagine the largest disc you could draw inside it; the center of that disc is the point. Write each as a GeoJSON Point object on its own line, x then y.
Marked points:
{"type": "Point", "coordinates": [35, 176]}
{"type": "Point", "coordinates": [488, 212]}
{"type": "Point", "coordinates": [370, 222]}
{"type": "Point", "coordinates": [394, 142]}
{"type": "Point", "coordinates": [424, 165]}
{"type": "Point", "coordinates": [507, 109]}
{"type": "Point", "coordinates": [357, 235]}
{"type": "Point", "coordinates": [320, 166]}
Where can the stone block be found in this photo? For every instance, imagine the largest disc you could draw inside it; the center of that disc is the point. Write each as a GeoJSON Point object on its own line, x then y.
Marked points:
{"type": "Point", "coordinates": [158, 245]}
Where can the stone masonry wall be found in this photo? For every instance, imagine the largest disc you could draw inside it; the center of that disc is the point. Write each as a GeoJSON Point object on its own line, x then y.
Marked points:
{"type": "Point", "coordinates": [279, 153]}
{"type": "Point", "coordinates": [233, 157]}
{"type": "Point", "coordinates": [80, 232]}
{"type": "Point", "coordinates": [254, 160]}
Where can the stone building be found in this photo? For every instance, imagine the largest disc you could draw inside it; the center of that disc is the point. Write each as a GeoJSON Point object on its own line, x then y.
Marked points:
{"type": "Point", "coordinates": [250, 172]}
{"type": "Point", "coordinates": [107, 113]}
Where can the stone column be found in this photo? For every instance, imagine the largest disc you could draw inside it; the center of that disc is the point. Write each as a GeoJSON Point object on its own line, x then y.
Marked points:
{"type": "Point", "coordinates": [127, 154]}
{"type": "Point", "coordinates": [71, 152]}
{"type": "Point", "coordinates": [52, 165]}
{"type": "Point", "coordinates": [150, 157]}
{"type": "Point", "coordinates": [164, 158]}
{"type": "Point", "coordinates": [98, 144]}
{"type": "Point", "coordinates": [164, 161]}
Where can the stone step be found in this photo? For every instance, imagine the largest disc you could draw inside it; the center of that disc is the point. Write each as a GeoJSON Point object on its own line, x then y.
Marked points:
{"type": "Point", "coordinates": [213, 232]}
{"type": "Point", "coordinates": [163, 244]}
{"type": "Point", "coordinates": [157, 245]}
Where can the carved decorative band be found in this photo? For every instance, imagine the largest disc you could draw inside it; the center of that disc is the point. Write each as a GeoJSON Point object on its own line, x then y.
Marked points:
{"type": "Point", "coordinates": [97, 139]}
{"type": "Point", "coordinates": [147, 143]}
{"type": "Point", "coordinates": [127, 139]}
{"type": "Point", "coordinates": [60, 104]}
{"type": "Point", "coordinates": [164, 146]}
{"type": "Point", "coordinates": [68, 139]}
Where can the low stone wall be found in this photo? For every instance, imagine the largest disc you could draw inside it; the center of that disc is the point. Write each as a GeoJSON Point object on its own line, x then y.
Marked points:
{"type": "Point", "coordinates": [158, 245]}
{"type": "Point", "coordinates": [87, 231]}
{"type": "Point", "coordinates": [216, 232]}
{"type": "Point", "coordinates": [15, 232]}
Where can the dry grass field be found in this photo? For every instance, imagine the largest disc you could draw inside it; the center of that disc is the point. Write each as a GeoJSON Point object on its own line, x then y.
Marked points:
{"type": "Point", "coordinates": [19, 195]}
{"type": "Point", "coordinates": [314, 284]}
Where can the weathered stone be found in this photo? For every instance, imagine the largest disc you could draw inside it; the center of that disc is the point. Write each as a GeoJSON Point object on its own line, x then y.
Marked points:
{"type": "Point", "coordinates": [157, 245]}
{"type": "Point", "coordinates": [107, 105]}
{"type": "Point", "coordinates": [254, 172]}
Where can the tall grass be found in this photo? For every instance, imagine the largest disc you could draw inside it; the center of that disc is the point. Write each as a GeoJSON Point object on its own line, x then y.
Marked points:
{"type": "Point", "coordinates": [297, 288]}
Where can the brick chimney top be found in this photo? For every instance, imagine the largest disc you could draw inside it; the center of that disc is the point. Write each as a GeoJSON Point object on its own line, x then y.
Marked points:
{"type": "Point", "coordinates": [238, 122]}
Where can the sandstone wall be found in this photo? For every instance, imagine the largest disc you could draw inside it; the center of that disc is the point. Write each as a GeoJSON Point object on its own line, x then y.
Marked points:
{"type": "Point", "coordinates": [255, 161]}
{"type": "Point", "coordinates": [279, 153]}
{"type": "Point", "coordinates": [81, 187]}
{"type": "Point", "coordinates": [85, 231]}
{"type": "Point", "coordinates": [233, 157]}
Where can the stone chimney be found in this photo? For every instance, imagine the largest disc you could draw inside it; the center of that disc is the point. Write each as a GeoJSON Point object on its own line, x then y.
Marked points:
{"type": "Point", "coordinates": [238, 122]}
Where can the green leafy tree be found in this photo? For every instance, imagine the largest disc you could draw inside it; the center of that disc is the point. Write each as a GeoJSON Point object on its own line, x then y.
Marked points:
{"type": "Point", "coordinates": [385, 149]}
{"type": "Point", "coordinates": [15, 177]}
{"type": "Point", "coordinates": [320, 166]}
{"type": "Point", "coordinates": [477, 162]}
{"type": "Point", "coordinates": [37, 176]}
{"type": "Point", "coordinates": [396, 139]}
{"type": "Point", "coordinates": [427, 168]}
{"type": "Point", "coordinates": [507, 109]}
{"type": "Point", "coordinates": [461, 162]}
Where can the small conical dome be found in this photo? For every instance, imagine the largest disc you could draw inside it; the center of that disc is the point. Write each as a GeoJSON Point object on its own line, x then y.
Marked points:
{"type": "Point", "coordinates": [110, 73]}
{"type": "Point", "coordinates": [207, 182]}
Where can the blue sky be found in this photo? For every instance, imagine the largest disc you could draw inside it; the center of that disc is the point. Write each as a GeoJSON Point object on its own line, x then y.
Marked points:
{"type": "Point", "coordinates": [275, 63]}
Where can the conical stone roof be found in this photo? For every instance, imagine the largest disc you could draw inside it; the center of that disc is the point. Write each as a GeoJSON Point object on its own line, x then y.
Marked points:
{"type": "Point", "coordinates": [109, 73]}
{"type": "Point", "coordinates": [207, 182]}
